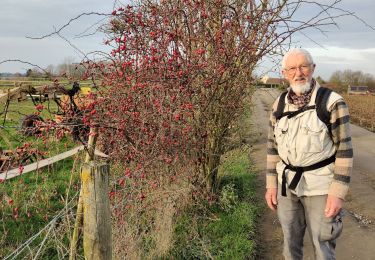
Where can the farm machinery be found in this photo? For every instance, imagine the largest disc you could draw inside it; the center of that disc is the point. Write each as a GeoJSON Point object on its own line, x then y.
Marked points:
{"type": "Point", "coordinates": [69, 106]}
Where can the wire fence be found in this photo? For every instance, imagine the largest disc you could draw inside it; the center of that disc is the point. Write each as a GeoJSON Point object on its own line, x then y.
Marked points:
{"type": "Point", "coordinates": [51, 233]}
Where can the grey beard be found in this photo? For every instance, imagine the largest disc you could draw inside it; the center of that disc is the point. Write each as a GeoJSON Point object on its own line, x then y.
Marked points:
{"type": "Point", "coordinates": [300, 89]}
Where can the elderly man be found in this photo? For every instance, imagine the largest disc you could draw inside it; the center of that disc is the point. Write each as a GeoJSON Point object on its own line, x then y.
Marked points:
{"type": "Point", "coordinates": [309, 159]}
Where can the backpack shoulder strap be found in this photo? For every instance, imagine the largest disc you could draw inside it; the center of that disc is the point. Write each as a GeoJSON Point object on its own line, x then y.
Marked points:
{"type": "Point", "coordinates": [280, 106]}
{"type": "Point", "coordinates": [321, 101]}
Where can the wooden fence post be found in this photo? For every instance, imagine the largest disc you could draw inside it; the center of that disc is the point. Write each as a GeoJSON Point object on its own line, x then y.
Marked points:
{"type": "Point", "coordinates": [97, 235]}
{"type": "Point", "coordinates": [79, 217]}
{"type": "Point", "coordinates": [93, 208]}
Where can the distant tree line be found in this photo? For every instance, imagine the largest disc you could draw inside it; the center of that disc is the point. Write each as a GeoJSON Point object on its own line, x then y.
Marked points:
{"type": "Point", "coordinates": [67, 68]}
{"type": "Point", "coordinates": [355, 78]}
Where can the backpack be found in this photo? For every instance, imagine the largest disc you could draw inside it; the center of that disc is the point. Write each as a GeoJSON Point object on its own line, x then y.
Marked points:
{"type": "Point", "coordinates": [320, 105]}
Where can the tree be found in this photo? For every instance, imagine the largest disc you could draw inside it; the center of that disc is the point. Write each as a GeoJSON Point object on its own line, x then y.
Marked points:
{"type": "Point", "coordinates": [186, 64]}
{"type": "Point", "coordinates": [355, 78]}
{"type": "Point", "coordinates": [34, 73]}
{"type": "Point", "coordinates": [50, 70]}
{"type": "Point", "coordinates": [29, 72]}
{"type": "Point", "coordinates": [320, 80]}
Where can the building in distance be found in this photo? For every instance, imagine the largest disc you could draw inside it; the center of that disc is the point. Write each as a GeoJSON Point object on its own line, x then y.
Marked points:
{"type": "Point", "coordinates": [268, 82]}
{"type": "Point", "coordinates": [358, 90]}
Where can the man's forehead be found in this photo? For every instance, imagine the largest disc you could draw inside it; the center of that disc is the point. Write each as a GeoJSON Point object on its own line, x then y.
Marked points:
{"type": "Point", "coordinates": [296, 57]}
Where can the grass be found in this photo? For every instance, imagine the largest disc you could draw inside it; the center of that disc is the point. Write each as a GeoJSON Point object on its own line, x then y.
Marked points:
{"type": "Point", "coordinates": [10, 135]}
{"type": "Point", "coordinates": [226, 228]}
{"type": "Point", "coordinates": [30, 201]}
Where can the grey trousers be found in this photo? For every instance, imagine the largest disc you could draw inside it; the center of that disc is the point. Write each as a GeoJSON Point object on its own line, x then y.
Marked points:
{"type": "Point", "coordinates": [297, 213]}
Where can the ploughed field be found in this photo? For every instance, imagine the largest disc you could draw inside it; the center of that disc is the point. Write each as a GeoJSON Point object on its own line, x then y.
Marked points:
{"type": "Point", "coordinates": [362, 110]}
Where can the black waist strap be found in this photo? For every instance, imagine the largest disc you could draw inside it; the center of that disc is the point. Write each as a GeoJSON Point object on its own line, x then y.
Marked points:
{"type": "Point", "coordinates": [299, 171]}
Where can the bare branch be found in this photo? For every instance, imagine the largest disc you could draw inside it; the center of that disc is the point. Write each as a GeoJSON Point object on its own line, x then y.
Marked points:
{"type": "Point", "coordinates": [83, 34]}
{"type": "Point", "coordinates": [66, 25]}
{"type": "Point", "coordinates": [24, 62]}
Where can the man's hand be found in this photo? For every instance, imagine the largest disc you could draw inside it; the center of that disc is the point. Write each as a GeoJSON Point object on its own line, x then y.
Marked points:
{"type": "Point", "coordinates": [333, 206]}
{"type": "Point", "coordinates": [271, 198]}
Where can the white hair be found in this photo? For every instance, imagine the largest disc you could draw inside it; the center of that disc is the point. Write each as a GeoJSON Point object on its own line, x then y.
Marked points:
{"type": "Point", "coordinates": [300, 89]}
{"type": "Point", "coordinates": [296, 51]}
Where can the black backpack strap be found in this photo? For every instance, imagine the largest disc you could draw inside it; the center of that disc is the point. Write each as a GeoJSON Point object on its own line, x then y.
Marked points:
{"type": "Point", "coordinates": [299, 171]}
{"type": "Point", "coordinates": [280, 106]}
{"type": "Point", "coordinates": [321, 105]}
{"type": "Point", "coordinates": [299, 111]}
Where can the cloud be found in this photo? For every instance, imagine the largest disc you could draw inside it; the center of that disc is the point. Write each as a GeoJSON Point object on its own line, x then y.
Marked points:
{"type": "Point", "coordinates": [19, 18]}
{"type": "Point", "coordinates": [349, 46]}
{"type": "Point", "coordinates": [350, 31]}
{"type": "Point", "coordinates": [336, 58]}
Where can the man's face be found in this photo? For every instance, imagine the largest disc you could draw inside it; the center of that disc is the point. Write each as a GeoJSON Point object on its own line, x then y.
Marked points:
{"type": "Point", "coordinates": [298, 71]}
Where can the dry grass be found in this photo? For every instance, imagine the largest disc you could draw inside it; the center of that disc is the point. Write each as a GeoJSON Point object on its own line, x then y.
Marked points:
{"type": "Point", "coordinates": [362, 110]}
{"type": "Point", "coordinates": [143, 229]}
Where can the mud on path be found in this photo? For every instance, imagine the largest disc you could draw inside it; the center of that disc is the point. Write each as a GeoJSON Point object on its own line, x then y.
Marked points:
{"type": "Point", "coordinates": [358, 238]}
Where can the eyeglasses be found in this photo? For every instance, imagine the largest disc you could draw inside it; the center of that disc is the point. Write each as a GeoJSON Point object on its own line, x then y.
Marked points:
{"type": "Point", "coordinates": [305, 68]}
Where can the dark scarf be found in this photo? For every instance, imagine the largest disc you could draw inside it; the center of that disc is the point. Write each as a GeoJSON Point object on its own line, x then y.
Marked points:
{"type": "Point", "coordinates": [302, 100]}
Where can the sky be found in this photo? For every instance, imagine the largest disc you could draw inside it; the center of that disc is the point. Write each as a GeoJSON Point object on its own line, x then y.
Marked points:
{"type": "Point", "coordinates": [350, 46]}
{"type": "Point", "coordinates": [35, 18]}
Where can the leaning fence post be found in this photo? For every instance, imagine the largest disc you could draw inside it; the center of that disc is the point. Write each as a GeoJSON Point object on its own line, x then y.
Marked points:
{"type": "Point", "coordinates": [93, 208]}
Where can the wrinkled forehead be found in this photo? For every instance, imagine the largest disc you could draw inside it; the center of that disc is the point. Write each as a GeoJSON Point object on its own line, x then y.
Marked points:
{"type": "Point", "coordinates": [296, 59]}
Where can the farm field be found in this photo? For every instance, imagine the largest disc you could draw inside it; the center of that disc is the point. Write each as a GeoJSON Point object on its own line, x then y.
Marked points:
{"type": "Point", "coordinates": [36, 201]}
{"type": "Point", "coordinates": [362, 110]}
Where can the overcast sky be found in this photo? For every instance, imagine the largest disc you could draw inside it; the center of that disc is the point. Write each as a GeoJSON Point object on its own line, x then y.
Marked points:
{"type": "Point", "coordinates": [351, 46]}
{"type": "Point", "coordinates": [35, 18]}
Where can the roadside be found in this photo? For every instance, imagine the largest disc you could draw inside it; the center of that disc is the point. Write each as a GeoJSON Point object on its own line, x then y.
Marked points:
{"type": "Point", "coordinates": [223, 225]}
{"type": "Point", "coordinates": [358, 238]}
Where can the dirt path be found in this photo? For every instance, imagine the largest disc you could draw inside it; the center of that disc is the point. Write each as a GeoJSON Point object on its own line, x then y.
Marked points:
{"type": "Point", "coordinates": [358, 238]}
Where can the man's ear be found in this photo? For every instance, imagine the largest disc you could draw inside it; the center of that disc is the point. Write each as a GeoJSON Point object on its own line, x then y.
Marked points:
{"type": "Point", "coordinates": [314, 65]}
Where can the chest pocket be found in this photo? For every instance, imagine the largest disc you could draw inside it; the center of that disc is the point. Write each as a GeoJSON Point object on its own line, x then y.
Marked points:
{"type": "Point", "coordinates": [312, 135]}
{"type": "Point", "coordinates": [281, 136]}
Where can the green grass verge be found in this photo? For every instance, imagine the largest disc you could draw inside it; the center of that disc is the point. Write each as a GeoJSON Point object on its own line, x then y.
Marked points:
{"type": "Point", "coordinates": [226, 228]}
{"type": "Point", "coordinates": [30, 201]}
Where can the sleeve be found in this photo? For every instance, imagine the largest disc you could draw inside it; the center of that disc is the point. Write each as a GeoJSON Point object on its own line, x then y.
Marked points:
{"type": "Point", "coordinates": [341, 135]}
{"type": "Point", "coordinates": [272, 154]}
